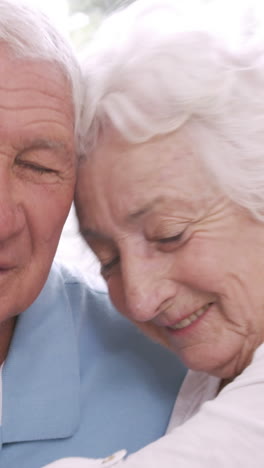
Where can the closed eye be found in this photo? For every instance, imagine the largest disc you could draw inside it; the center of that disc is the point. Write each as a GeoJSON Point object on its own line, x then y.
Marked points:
{"type": "Point", "coordinates": [35, 167]}
{"type": "Point", "coordinates": [106, 267]}
{"type": "Point", "coordinates": [166, 240]}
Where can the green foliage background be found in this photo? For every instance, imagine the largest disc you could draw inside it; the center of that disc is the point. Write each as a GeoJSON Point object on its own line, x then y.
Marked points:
{"type": "Point", "coordinates": [96, 10]}
{"type": "Point", "coordinates": [88, 5]}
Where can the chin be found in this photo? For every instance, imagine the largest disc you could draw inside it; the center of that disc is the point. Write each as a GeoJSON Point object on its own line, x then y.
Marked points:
{"type": "Point", "coordinates": [205, 360]}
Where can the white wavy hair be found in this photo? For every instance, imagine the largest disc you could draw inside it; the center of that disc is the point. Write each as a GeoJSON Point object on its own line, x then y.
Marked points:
{"type": "Point", "coordinates": [30, 34]}
{"type": "Point", "coordinates": [152, 69]}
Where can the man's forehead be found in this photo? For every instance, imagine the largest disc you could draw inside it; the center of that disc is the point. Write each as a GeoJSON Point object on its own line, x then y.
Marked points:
{"type": "Point", "coordinates": [36, 109]}
{"type": "Point", "coordinates": [23, 79]}
{"type": "Point", "coordinates": [33, 72]}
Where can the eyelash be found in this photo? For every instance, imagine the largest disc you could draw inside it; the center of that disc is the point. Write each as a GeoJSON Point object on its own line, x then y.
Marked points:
{"type": "Point", "coordinates": [105, 268]}
{"type": "Point", "coordinates": [36, 168]}
{"type": "Point", "coordinates": [167, 240]}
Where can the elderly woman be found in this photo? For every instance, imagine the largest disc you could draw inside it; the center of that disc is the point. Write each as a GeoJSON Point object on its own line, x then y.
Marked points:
{"type": "Point", "coordinates": [171, 200]}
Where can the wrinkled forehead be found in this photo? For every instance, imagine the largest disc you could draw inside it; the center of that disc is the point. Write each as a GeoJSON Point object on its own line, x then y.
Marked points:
{"type": "Point", "coordinates": [35, 107]}
{"type": "Point", "coordinates": [171, 157]}
{"type": "Point", "coordinates": [28, 86]}
{"type": "Point", "coordinates": [36, 68]}
{"type": "Point", "coordinates": [131, 179]}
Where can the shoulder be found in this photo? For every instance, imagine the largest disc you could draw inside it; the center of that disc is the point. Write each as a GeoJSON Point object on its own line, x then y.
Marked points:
{"type": "Point", "coordinates": [81, 294]}
{"type": "Point", "coordinates": [252, 377]}
{"type": "Point", "coordinates": [114, 341]}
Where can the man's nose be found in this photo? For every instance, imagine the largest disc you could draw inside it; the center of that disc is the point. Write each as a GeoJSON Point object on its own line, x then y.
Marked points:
{"type": "Point", "coordinates": [146, 287]}
{"type": "Point", "coordinates": [12, 218]}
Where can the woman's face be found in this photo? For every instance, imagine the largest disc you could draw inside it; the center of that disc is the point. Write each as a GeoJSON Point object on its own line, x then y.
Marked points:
{"type": "Point", "coordinates": [179, 258]}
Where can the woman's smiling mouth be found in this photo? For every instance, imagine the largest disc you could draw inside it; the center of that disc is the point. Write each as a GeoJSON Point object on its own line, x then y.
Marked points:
{"type": "Point", "coordinates": [191, 318]}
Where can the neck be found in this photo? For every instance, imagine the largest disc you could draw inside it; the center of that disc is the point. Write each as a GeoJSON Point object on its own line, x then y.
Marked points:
{"type": "Point", "coordinates": [6, 333]}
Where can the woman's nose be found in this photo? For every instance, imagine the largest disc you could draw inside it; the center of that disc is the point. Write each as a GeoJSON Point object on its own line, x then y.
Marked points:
{"type": "Point", "coordinates": [11, 214]}
{"type": "Point", "coordinates": [146, 287]}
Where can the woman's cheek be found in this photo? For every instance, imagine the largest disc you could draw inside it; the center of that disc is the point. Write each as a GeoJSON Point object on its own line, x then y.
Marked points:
{"type": "Point", "coordinates": [116, 292]}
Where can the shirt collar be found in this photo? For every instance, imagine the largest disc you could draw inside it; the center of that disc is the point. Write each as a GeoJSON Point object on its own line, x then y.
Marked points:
{"type": "Point", "coordinates": [41, 382]}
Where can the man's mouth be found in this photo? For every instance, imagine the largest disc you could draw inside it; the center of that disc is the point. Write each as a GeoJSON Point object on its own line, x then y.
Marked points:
{"type": "Point", "coordinates": [191, 318]}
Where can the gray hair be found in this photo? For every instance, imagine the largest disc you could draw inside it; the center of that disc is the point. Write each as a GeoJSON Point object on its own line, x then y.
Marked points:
{"type": "Point", "coordinates": [30, 34]}
{"type": "Point", "coordinates": [151, 71]}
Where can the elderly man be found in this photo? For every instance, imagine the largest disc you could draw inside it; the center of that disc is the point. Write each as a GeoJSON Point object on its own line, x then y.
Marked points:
{"type": "Point", "coordinates": [76, 378]}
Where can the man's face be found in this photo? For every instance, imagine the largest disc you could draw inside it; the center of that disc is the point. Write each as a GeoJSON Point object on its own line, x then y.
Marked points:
{"type": "Point", "coordinates": [37, 175]}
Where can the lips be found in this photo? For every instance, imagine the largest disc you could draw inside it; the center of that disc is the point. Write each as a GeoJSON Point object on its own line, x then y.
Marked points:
{"type": "Point", "coordinates": [4, 266]}
{"type": "Point", "coordinates": [191, 318]}
{"type": "Point", "coordinates": [5, 271]}
{"type": "Point", "coordinates": [9, 262]}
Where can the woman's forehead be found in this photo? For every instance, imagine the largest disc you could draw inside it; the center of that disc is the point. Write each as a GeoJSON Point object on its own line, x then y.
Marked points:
{"type": "Point", "coordinates": [167, 161]}
{"type": "Point", "coordinates": [155, 177]}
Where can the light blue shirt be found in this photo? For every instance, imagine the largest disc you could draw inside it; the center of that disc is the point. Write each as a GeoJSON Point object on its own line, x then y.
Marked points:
{"type": "Point", "coordinates": [80, 380]}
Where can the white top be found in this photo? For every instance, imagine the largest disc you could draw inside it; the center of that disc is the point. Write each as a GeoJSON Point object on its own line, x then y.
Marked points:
{"type": "Point", "coordinates": [207, 431]}
{"type": "Point", "coordinates": [226, 431]}
{"type": "Point", "coordinates": [197, 388]}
